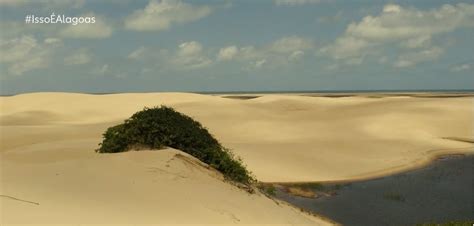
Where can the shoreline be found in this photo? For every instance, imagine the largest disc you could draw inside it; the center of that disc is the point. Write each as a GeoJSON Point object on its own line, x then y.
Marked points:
{"type": "Point", "coordinates": [406, 190]}
{"type": "Point", "coordinates": [419, 164]}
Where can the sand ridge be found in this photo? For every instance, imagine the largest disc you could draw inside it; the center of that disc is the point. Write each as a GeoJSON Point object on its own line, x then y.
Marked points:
{"type": "Point", "coordinates": [133, 188]}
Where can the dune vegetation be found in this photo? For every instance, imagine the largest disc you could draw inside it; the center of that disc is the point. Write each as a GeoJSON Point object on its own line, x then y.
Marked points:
{"type": "Point", "coordinates": [161, 127]}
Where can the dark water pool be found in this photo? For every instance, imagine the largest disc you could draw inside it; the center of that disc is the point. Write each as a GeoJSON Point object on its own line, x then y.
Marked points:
{"type": "Point", "coordinates": [440, 192]}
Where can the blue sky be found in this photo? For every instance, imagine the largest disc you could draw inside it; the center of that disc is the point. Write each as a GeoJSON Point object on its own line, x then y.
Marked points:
{"type": "Point", "coordinates": [190, 45]}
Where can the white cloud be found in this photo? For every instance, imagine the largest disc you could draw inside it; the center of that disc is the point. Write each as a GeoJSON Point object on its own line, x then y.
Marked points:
{"type": "Point", "coordinates": [417, 42]}
{"type": "Point", "coordinates": [14, 29]}
{"type": "Point", "coordinates": [296, 55]}
{"type": "Point", "coordinates": [227, 53]}
{"type": "Point", "coordinates": [190, 55]}
{"type": "Point", "coordinates": [396, 22]}
{"type": "Point", "coordinates": [295, 2]}
{"type": "Point", "coordinates": [187, 56]}
{"type": "Point", "coordinates": [251, 53]}
{"type": "Point", "coordinates": [96, 30]}
{"type": "Point", "coordinates": [409, 28]}
{"type": "Point", "coordinates": [462, 67]}
{"type": "Point", "coordinates": [189, 49]}
{"type": "Point", "coordinates": [391, 8]}
{"type": "Point", "coordinates": [16, 49]}
{"type": "Point", "coordinates": [161, 15]}
{"type": "Point", "coordinates": [413, 58]}
{"type": "Point", "coordinates": [278, 53]}
{"type": "Point", "coordinates": [346, 47]}
{"type": "Point", "coordinates": [53, 41]}
{"type": "Point", "coordinates": [136, 54]}
{"type": "Point", "coordinates": [81, 56]}
{"type": "Point", "coordinates": [102, 70]}
{"type": "Point", "coordinates": [260, 63]}
{"type": "Point", "coordinates": [45, 4]}
{"type": "Point", "coordinates": [291, 44]}
{"type": "Point", "coordinates": [13, 2]}
{"type": "Point", "coordinates": [26, 53]}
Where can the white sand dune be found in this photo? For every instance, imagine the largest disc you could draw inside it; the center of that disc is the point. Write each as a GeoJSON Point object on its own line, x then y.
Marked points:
{"type": "Point", "coordinates": [47, 142]}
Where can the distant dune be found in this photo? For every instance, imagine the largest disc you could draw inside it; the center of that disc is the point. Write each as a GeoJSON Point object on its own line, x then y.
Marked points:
{"type": "Point", "coordinates": [47, 155]}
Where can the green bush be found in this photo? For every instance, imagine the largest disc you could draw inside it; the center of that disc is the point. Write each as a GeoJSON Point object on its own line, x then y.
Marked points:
{"type": "Point", "coordinates": [160, 127]}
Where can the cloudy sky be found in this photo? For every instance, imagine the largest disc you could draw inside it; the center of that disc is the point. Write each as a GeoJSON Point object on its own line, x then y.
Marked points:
{"type": "Point", "coordinates": [224, 45]}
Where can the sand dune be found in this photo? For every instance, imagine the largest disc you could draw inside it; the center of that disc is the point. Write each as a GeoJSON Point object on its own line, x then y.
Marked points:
{"type": "Point", "coordinates": [282, 138]}
{"type": "Point", "coordinates": [47, 142]}
{"type": "Point", "coordinates": [166, 187]}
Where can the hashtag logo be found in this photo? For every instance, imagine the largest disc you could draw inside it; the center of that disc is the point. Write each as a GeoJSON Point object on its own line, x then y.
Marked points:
{"type": "Point", "coordinates": [28, 19]}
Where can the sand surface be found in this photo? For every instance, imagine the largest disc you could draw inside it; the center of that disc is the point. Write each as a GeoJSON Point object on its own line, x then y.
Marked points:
{"type": "Point", "coordinates": [147, 187]}
{"type": "Point", "coordinates": [47, 142]}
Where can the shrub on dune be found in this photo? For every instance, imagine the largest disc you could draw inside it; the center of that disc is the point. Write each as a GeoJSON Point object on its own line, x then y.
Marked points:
{"type": "Point", "coordinates": [160, 127]}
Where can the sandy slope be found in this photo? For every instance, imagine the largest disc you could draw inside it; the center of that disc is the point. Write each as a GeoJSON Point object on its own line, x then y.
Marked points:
{"type": "Point", "coordinates": [166, 187]}
{"type": "Point", "coordinates": [47, 142]}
